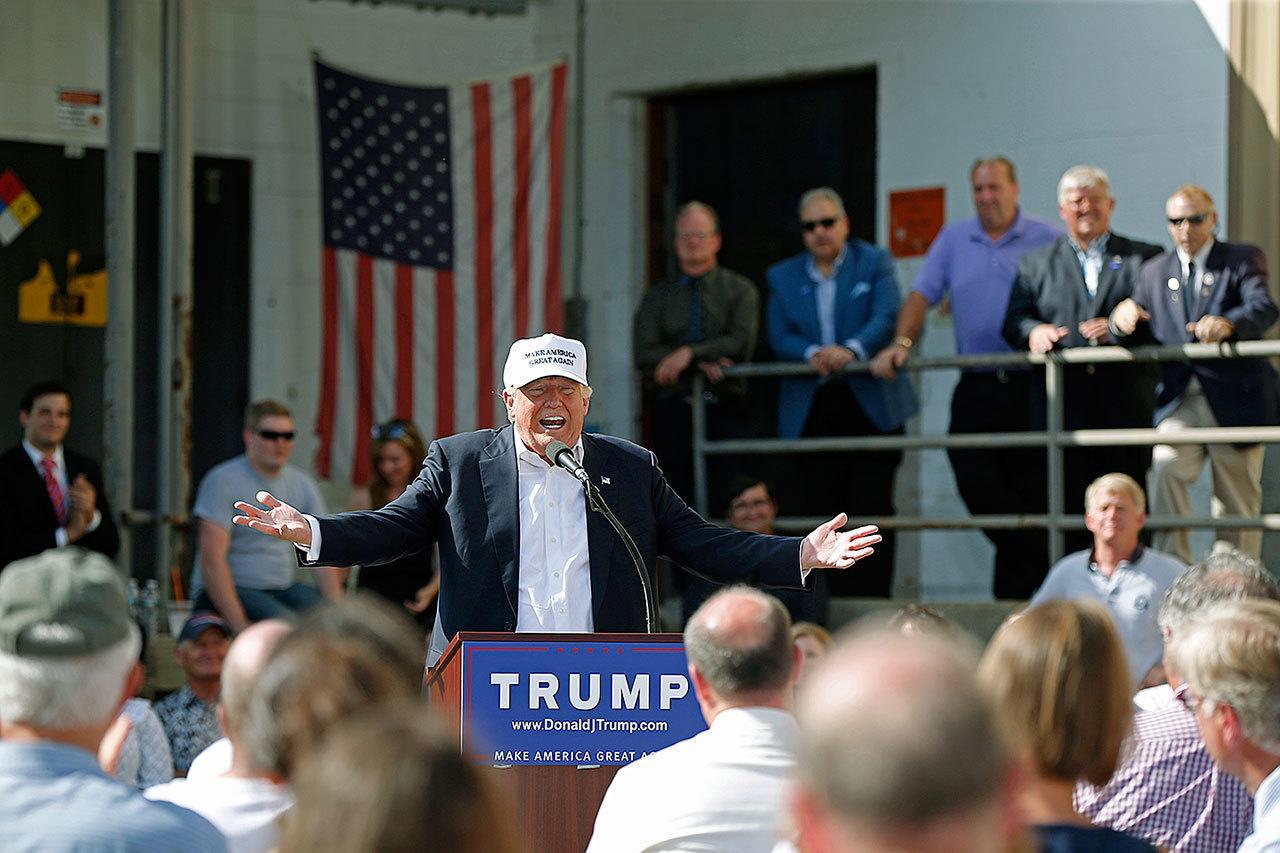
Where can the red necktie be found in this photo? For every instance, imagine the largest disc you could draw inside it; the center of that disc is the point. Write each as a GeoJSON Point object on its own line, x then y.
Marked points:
{"type": "Point", "coordinates": [55, 491]}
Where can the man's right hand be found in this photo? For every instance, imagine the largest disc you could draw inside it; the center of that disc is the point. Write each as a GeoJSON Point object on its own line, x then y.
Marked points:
{"type": "Point", "coordinates": [886, 363]}
{"type": "Point", "coordinates": [279, 520]}
{"type": "Point", "coordinates": [672, 365]}
{"type": "Point", "coordinates": [1044, 336]}
{"type": "Point", "coordinates": [1127, 315]}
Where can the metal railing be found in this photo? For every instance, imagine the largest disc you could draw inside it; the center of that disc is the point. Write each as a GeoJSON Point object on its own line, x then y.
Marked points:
{"type": "Point", "coordinates": [1055, 437]}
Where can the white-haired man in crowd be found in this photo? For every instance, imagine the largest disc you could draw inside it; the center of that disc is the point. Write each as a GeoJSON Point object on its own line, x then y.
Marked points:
{"type": "Point", "coordinates": [246, 802]}
{"type": "Point", "coordinates": [899, 752]}
{"type": "Point", "coordinates": [68, 662]}
{"type": "Point", "coordinates": [723, 789]}
{"type": "Point", "coordinates": [1230, 659]}
{"type": "Point", "coordinates": [1168, 790]}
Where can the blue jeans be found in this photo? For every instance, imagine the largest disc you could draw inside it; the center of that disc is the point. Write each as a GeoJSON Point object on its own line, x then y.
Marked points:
{"type": "Point", "coordinates": [262, 604]}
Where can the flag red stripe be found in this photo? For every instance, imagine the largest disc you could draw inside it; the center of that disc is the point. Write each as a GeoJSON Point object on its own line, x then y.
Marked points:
{"type": "Point", "coordinates": [444, 353]}
{"type": "Point", "coordinates": [328, 364]}
{"type": "Point", "coordinates": [404, 341]}
{"type": "Point", "coordinates": [522, 99]}
{"type": "Point", "coordinates": [364, 368]}
{"type": "Point", "coordinates": [553, 306]}
{"type": "Point", "coordinates": [481, 134]}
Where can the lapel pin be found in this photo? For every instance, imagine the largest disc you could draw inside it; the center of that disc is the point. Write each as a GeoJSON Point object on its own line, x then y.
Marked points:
{"type": "Point", "coordinates": [1116, 261]}
{"type": "Point", "coordinates": [1174, 284]}
{"type": "Point", "coordinates": [1208, 278]}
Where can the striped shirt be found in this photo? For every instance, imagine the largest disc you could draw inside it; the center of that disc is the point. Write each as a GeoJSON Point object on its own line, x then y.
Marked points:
{"type": "Point", "coordinates": [1266, 818]}
{"type": "Point", "coordinates": [1168, 789]}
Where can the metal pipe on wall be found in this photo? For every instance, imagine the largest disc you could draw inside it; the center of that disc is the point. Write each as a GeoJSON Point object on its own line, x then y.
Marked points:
{"type": "Point", "coordinates": [117, 385]}
{"type": "Point", "coordinates": [175, 304]}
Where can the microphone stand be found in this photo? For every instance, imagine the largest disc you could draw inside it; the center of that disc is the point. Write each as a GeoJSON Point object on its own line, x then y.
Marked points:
{"type": "Point", "coordinates": [597, 503]}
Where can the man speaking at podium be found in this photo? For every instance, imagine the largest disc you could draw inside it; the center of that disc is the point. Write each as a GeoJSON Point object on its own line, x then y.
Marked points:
{"type": "Point", "coordinates": [519, 548]}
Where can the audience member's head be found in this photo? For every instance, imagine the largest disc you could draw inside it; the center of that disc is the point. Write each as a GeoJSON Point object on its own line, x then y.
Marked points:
{"type": "Point", "coordinates": [697, 238]}
{"type": "Point", "coordinates": [341, 660]}
{"type": "Point", "coordinates": [1114, 511]}
{"type": "Point", "coordinates": [1230, 660]}
{"type": "Point", "coordinates": [995, 192]}
{"type": "Point", "coordinates": [914, 618]}
{"type": "Point", "coordinates": [824, 224]}
{"type": "Point", "coordinates": [68, 649]}
{"type": "Point", "coordinates": [1059, 680]}
{"type": "Point", "coordinates": [1192, 217]}
{"type": "Point", "coordinates": [1085, 203]}
{"type": "Point", "coordinates": [740, 652]}
{"type": "Point", "coordinates": [395, 456]}
{"type": "Point", "coordinates": [813, 642]}
{"type": "Point", "coordinates": [749, 506]}
{"type": "Point", "coordinates": [45, 415]}
{"type": "Point", "coordinates": [268, 435]}
{"type": "Point", "coordinates": [899, 750]}
{"type": "Point", "coordinates": [201, 648]}
{"type": "Point", "coordinates": [390, 780]}
{"type": "Point", "coordinates": [244, 662]}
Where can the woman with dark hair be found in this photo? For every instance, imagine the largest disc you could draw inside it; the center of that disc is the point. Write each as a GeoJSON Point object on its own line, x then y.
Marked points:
{"type": "Point", "coordinates": [1058, 678]}
{"type": "Point", "coordinates": [396, 455]}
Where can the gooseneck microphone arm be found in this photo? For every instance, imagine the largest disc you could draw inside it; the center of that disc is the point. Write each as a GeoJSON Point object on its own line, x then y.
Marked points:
{"type": "Point", "coordinates": [563, 457]}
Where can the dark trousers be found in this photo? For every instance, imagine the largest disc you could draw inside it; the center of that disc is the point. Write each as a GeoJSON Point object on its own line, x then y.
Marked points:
{"type": "Point", "coordinates": [804, 605]}
{"type": "Point", "coordinates": [1002, 480]}
{"type": "Point", "coordinates": [671, 419]}
{"type": "Point", "coordinates": [859, 483]}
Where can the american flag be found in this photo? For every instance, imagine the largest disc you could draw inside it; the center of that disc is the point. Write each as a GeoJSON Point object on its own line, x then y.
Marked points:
{"type": "Point", "coordinates": [441, 246]}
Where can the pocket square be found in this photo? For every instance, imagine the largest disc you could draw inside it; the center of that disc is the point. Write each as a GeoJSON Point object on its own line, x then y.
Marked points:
{"type": "Point", "coordinates": [604, 481]}
{"type": "Point", "coordinates": [861, 288]}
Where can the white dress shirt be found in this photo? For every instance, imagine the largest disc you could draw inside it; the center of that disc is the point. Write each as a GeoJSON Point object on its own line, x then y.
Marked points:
{"type": "Point", "coordinates": [724, 789]}
{"type": "Point", "coordinates": [555, 578]}
{"type": "Point", "coordinates": [1265, 837]}
{"type": "Point", "coordinates": [60, 537]}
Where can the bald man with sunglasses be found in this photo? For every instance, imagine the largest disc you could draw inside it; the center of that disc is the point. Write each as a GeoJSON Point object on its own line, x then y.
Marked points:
{"type": "Point", "coordinates": [1210, 291]}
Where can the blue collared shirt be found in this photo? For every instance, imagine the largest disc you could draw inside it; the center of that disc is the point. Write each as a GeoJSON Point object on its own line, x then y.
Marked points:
{"type": "Point", "coordinates": [53, 796]}
{"type": "Point", "coordinates": [979, 272]}
{"type": "Point", "coordinates": [824, 292]}
{"type": "Point", "coordinates": [1090, 258]}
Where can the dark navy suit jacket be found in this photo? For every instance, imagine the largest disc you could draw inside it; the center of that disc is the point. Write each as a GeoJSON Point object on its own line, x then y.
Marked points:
{"type": "Point", "coordinates": [1234, 285]}
{"type": "Point", "coordinates": [466, 501]}
{"type": "Point", "coordinates": [866, 308]}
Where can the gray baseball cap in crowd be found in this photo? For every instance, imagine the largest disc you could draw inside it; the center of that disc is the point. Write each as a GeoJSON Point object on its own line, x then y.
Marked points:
{"type": "Point", "coordinates": [62, 603]}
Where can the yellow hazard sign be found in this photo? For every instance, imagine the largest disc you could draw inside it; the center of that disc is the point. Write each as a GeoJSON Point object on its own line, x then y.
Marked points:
{"type": "Point", "coordinates": [82, 303]}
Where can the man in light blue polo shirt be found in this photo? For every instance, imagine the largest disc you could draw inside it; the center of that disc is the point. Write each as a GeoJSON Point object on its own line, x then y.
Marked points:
{"type": "Point", "coordinates": [975, 261]}
{"type": "Point", "coordinates": [1118, 571]}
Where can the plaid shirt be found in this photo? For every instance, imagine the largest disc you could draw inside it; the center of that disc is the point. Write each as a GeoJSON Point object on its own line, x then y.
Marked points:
{"type": "Point", "coordinates": [1167, 789]}
{"type": "Point", "coordinates": [189, 723]}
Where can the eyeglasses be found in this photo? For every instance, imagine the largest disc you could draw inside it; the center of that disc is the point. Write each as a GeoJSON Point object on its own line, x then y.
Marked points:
{"type": "Point", "coordinates": [694, 235]}
{"type": "Point", "coordinates": [1187, 699]}
{"type": "Point", "coordinates": [272, 435]}
{"type": "Point", "coordinates": [1197, 219]}
{"type": "Point", "coordinates": [812, 224]}
{"type": "Point", "coordinates": [390, 431]}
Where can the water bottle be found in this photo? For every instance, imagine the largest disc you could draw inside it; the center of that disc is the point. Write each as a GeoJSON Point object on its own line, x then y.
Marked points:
{"type": "Point", "coordinates": [135, 600]}
{"type": "Point", "coordinates": [151, 607]}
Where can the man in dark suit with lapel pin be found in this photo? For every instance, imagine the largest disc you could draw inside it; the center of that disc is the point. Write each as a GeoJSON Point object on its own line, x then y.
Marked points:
{"type": "Point", "coordinates": [50, 496]}
{"type": "Point", "coordinates": [1209, 291]}
{"type": "Point", "coordinates": [1061, 298]}
{"type": "Point", "coordinates": [519, 548]}
{"type": "Point", "coordinates": [834, 303]}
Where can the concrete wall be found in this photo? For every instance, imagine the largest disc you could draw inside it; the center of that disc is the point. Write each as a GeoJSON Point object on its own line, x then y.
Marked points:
{"type": "Point", "coordinates": [1138, 88]}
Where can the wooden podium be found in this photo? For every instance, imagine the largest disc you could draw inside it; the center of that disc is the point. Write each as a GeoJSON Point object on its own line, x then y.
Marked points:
{"type": "Point", "coordinates": [555, 805]}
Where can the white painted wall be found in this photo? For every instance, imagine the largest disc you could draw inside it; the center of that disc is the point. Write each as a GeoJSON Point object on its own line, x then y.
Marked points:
{"type": "Point", "coordinates": [1138, 88]}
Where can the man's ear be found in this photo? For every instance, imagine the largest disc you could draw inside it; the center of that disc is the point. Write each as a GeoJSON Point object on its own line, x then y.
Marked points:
{"type": "Point", "coordinates": [701, 689]}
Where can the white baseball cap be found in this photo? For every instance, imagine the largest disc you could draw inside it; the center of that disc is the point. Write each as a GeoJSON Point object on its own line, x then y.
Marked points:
{"type": "Point", "coordinates": [548, 355]}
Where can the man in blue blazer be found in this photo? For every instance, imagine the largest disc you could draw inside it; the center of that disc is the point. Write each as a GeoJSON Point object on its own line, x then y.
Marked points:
{"type": "Point", "coordinates": [519, 548]}
{"type": "Point", "coordinates": [1210, 291]}
{"type": "Point", "coordinates": [831, 304]}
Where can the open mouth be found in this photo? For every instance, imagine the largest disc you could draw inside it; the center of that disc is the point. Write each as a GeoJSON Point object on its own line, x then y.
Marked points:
{"type": "Point", "coordinates": [551, 422]}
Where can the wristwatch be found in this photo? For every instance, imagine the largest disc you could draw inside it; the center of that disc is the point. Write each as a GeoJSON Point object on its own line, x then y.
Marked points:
{"type": "Point", "coordinates": [904, 342]}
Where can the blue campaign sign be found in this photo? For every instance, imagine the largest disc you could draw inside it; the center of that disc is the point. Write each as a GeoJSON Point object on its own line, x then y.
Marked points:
{"type": "Point", "coordinates": [574, 703]}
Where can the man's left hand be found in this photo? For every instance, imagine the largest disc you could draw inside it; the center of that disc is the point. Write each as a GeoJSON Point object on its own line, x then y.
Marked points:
{"type": "Point", "coordinates": [83, 496]}
{"type": "Point", "coordinates": [827, 548]}
{"type": "Point", "coordinates": [714, 370]}
{"type": "Point", "coordinates": [1211, 329]}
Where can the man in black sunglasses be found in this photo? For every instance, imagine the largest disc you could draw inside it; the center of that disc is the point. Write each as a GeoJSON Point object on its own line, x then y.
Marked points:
{"type": "Point", "coordinates": [243, 576]}
{"type": "Point", "coordinates": [1210, 291]}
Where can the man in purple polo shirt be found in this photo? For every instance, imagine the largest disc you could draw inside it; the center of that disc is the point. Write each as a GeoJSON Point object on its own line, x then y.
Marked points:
{"type": "Point", "coordinates": [976, 261]}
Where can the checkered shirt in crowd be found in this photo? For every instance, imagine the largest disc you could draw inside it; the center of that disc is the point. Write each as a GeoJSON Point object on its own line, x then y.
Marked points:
{"type": "Point", "coordinates": [190, 724]}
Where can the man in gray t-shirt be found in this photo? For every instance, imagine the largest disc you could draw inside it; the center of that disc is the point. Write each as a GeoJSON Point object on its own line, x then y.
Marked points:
{"type": "Point", "coordinates": [244, 576]}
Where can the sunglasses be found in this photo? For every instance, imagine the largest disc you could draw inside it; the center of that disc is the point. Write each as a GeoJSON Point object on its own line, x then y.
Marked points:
{"type": "Point", "coordinates": [272, 435]}
{"type": "Point", "coordinates": [390, 431]}
{"type": "Point", "coordinates": [812, 224]}
{"type": "Point", "coordinates": [1198, 219]}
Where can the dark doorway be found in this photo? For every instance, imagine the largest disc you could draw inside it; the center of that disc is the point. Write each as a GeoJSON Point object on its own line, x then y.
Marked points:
{"type": "Point", "coordinates": [69, 186]}
{"type": "Point", "coordinates": [750, 151]}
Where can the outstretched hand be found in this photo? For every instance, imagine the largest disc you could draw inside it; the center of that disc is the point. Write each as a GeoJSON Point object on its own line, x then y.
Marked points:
{"type": "Point", "coordinates": [827, 548]}
{"type": "Point", "coordinates": [279, 520]}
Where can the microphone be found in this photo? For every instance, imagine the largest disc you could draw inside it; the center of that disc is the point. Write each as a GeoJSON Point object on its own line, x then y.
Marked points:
{"type": "Point", "coordinates": [562, 455]}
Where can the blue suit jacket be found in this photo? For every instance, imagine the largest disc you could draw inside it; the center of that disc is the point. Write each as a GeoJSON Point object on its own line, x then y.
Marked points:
{"type": "Point", "coordinates": [466, 501]}
{"type": "Point", "coordinates": [1240, 392]}
{"type": "Point", "coordinates": [866, 308]}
